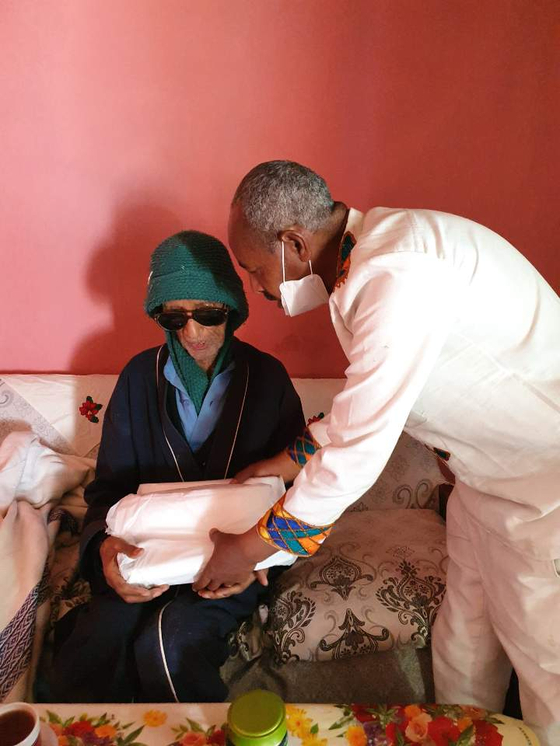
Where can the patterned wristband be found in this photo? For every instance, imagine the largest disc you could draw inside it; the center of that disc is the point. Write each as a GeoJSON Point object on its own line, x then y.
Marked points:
{"type": "Point", "coordinates": [305, 445]}
{"type": "Point", "coordinates": [288, 533]}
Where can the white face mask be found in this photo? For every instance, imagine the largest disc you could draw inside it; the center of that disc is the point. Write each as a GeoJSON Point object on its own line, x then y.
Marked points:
{"type": "Point", "coordinates": [300, 296]}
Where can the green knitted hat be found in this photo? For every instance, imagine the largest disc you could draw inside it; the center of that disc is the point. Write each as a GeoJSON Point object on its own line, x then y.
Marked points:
{"type": "Point", "coordinates": [194, 266]}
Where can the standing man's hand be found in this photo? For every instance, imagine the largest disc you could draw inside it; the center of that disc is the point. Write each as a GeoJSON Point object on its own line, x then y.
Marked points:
{"type": "Point", "coordinates": [280, 465]}
{"type": "Point", "coordinates": [132, 594]}
{"type": "Point", "coordinates": [230, 590]}
{"type": "Point", "coordinates": [233, 560]}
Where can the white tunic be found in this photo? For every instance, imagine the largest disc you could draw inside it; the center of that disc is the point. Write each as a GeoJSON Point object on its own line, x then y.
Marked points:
{"type": "Point", "coordinates": [453, 335]}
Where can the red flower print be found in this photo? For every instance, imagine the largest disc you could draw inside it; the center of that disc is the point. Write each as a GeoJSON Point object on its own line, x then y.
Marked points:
{"type": "Point", "coordinates": [391, 732]}
{"type": "Point", "coordinates": [361, 714]}
{"type": "Point", "coordinates": [486, 734]}
{"type": "Point", "coordinates": [443, 731]}
{"type": "Point", "coordinates": [89, 409]}
{"type": "Point", "coordinates": [393, 729]}
{"type": "Point", "coordinates": [218, 737]}
{"type": "Point", "coordinates": [193, 739]}
{"type": "Point", "coordinates": [80, 729]}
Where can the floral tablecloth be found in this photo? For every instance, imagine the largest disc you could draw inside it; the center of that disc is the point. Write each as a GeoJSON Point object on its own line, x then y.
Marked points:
{"type": "Point", "coordinates": [308, 725]}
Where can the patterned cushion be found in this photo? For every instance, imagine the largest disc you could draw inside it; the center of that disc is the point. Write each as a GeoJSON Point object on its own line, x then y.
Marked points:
{"type": "Point", "coordinates": [377, 583]}
{"type": "Point", "coordinates": [409, 479]}
{"type": "Point", "coordinates": [68, 588]}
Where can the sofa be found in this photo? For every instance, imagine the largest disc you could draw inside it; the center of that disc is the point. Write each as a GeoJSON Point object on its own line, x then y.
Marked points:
{"type": "Point", "coordinates": [351, 623]}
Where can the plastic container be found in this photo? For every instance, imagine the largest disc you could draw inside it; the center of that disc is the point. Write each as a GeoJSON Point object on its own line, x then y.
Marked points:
{"type": "Point", "coordinates": [257, 718]}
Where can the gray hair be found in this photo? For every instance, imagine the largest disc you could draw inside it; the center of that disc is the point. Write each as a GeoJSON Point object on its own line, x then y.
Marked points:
{"type": "Point", "coordinates": [280, 194]}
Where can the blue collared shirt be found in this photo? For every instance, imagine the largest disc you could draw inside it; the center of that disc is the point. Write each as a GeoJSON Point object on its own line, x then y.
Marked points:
{"type": "Point", "coordinates": [197, 427]}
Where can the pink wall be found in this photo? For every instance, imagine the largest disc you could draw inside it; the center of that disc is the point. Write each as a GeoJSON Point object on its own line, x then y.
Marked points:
{"type": "Point", "coordinates": [124, 121]}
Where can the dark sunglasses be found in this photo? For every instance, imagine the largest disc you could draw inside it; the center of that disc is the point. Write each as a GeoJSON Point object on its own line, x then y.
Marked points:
{"type": "Point", "coordinates": [173, 321]}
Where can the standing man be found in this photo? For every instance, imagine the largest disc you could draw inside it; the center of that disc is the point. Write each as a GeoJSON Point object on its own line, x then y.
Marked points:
{"type": "Point", "coordinates": [451, 334]}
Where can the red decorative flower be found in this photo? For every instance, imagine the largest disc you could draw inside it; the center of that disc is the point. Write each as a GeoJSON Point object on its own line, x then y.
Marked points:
{"type": "Point", "coordinates": [395, 732]}
{"type": "Point", "coordinates": [391, 732]}
{"type": "Point", "coordinates": [218, 737]}
{"type": "Point", "coordinates": [193, 739]}
{"type": "Point", "coordinates": [361, 714]}
{"type": "Point", "coordinates": [486, 734]}
{"type": "Point", "coordinates": [79, 729]}
{"type": "Point", "coordinates": [443, 731]}
{"type": "Point", "coordinates": [89, 409]}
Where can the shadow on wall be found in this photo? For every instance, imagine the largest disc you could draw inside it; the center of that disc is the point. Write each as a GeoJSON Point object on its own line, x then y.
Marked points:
{"type": "Point", "coordinates": [117, 276]}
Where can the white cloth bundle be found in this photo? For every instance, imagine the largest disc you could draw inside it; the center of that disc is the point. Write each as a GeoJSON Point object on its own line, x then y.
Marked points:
{"type": "Point", "coordinates": [171, 522]}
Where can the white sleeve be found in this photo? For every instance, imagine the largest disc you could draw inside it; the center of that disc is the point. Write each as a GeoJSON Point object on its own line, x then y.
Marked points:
{"type": "Point", "coordinates": [399, 321]}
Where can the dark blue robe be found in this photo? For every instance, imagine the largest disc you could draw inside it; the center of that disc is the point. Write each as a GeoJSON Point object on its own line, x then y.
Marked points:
{"type": "Point", "coordinates": [170, 648]}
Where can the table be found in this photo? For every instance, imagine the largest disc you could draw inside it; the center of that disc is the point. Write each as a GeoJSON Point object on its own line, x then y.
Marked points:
{"type": "Point", "coordinates": [308, 725]}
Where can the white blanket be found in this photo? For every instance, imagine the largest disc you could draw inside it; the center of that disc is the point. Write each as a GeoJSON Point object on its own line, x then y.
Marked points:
{"type": "Point", "coordinates": [33, 478]}
{"type": "Point", "coordinates": [171, 522]}
{"type": "Point", "coordinates": [32, 472]}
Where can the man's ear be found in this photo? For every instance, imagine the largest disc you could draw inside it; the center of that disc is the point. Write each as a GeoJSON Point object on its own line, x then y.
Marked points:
{"type": "Point", "coordinates": [296, 243]}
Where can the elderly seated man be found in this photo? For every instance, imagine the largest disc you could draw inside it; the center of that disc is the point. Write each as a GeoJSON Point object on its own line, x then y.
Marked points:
{"type": "Point", "coordinates": [202, 406]}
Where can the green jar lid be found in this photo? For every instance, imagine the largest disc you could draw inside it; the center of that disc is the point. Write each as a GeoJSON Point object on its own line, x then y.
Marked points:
{"type": "Point", "coordinates": [257, 718]}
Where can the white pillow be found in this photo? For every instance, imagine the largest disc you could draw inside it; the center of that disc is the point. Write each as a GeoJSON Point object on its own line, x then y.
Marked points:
{"type": "Point", "coordinates": [171, 522]}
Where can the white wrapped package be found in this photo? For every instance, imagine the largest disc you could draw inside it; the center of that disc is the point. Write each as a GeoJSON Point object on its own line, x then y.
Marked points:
{"type": "Point", "coordinates": [171, 523]}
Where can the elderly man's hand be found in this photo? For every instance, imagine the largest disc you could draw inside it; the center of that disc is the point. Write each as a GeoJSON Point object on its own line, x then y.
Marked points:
{"type": "Point", "coordinates": [233, 560]}
{"type": "Point", "coordinates": [231, 590]}
{"type": "Point", "coordinates": [280, 465]}
{"type": "Point", "coordinates": [132, 594]}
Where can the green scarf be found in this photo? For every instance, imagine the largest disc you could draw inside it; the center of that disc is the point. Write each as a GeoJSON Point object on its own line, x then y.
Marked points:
{"type": "Point", "coordinates": [195, 380]}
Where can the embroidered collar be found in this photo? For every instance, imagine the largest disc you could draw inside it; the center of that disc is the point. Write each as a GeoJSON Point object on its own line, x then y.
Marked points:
{"type": "Point", "coordinates": [353, 228]}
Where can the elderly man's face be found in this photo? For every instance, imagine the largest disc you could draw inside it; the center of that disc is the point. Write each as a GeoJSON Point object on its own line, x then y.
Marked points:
{"type": "Point", "coordinates": [203, 343]}
{"type": "Point", "coordinates": [263, 266]}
